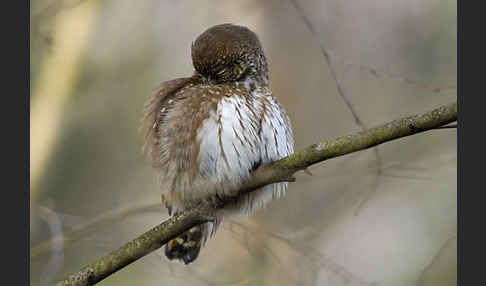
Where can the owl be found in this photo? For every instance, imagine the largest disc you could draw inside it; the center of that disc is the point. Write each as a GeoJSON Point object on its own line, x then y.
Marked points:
{"type": "Point", "coordinates": [208, 132]}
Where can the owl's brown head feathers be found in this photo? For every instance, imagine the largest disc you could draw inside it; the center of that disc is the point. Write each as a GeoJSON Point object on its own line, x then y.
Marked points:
{"type": "Point", "coordinates": [229, 52]}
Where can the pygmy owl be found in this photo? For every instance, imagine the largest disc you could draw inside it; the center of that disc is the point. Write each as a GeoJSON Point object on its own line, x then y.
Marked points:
{"type": "Point", "coordinates": [208, 132]}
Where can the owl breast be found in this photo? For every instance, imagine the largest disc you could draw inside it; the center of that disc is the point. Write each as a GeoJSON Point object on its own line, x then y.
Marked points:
{"type": "Point", "coordinates": [208, 138]}
{"type": "Point", "coordinates": [243, 132]}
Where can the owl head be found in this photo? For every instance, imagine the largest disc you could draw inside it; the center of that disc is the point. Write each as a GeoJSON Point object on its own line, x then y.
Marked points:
{"type": "Point", "coordinates": [228, 52]}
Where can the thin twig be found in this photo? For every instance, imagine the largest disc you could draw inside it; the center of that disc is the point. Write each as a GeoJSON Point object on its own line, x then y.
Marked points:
{"type": "Point", "coordinates": [324, 52]}
{"type": "Point", "coordinates": [278, 171]}
{"type": "Point", "coordinates": [373, 71]}
{"type": "Point", "coordinates": [435, 259]}
{"type": "Point", "coordinates": [79, 230]}
{"type": "Point", "coordinates": [345, 99]}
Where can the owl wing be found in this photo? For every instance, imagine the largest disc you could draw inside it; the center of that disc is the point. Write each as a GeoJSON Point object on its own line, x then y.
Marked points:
{"type": "Point", "coordinates": [174, 115]}
{"type": "Point", "coordinates": [154, 115]}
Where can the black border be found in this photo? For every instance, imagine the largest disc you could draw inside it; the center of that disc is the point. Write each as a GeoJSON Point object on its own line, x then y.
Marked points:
{"type": "Point", "coordinates": [471, 140]}
{"type": "Point", "coordinates": [25, 151]}
{"type": "Point", "coordinates": [15, 143]}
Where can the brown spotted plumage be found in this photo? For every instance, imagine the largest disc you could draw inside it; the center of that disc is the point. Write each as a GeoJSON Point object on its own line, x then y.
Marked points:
{"type": "Point", "coordinates": [207, 132]}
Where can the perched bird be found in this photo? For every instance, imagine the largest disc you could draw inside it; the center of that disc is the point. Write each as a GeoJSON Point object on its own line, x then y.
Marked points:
{"type": "Point", "coordinates": [208, 132]}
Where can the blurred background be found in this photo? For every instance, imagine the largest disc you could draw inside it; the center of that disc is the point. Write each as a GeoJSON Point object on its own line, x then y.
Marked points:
{"type": "Point", "coordinates": [384, 216]}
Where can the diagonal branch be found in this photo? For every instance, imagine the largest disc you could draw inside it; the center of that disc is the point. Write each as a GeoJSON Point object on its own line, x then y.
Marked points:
{"type": "Point", "coordinates": [279, 171]}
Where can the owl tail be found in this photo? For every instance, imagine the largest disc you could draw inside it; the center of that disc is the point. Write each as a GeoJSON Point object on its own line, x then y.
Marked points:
{"type": "Point", "coordinates": [185, 248]}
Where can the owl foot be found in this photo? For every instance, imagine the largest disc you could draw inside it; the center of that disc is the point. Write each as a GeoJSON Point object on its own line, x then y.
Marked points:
{"type": "Point", "coordinates": [185, 248]}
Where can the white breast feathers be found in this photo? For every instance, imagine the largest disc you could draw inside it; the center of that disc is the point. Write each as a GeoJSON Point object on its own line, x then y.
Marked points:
{"type": "Point", "coordinates": [243, 133]}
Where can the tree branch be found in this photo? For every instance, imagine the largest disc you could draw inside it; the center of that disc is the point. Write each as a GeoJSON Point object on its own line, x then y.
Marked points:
{"type": "Point", "coordinates": [279, 171]}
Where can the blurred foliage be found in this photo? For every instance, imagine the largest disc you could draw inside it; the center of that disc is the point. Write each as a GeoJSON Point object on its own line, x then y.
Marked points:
{"type": "Point", "coordinates": [386, 217]}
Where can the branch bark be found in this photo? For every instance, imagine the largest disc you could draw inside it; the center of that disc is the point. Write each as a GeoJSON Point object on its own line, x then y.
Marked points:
{"type": "Point", "coordinates": [279, 171]}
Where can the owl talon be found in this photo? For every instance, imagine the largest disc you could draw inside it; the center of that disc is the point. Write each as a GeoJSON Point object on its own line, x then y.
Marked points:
{"type": "Point", "coordinates": [185, 248]}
